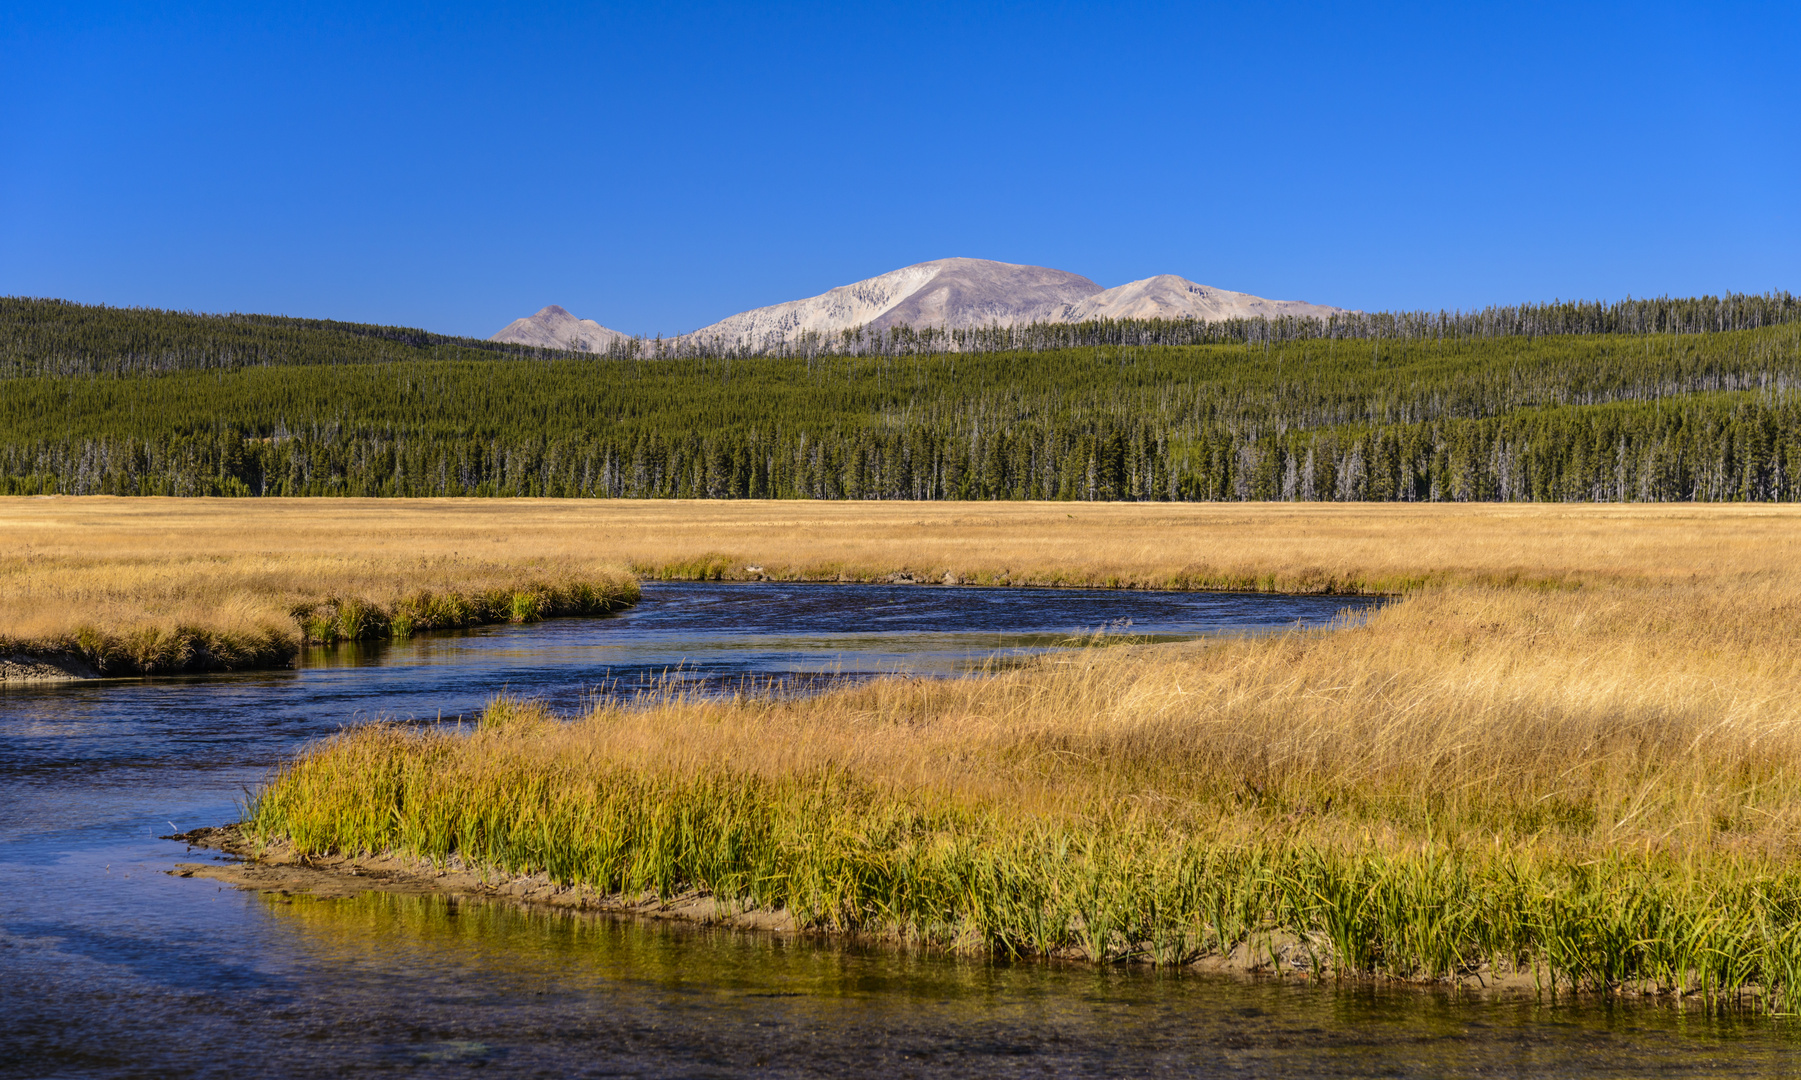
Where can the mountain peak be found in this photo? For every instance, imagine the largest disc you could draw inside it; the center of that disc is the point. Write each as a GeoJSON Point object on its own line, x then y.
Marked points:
{"type": "Point", "coordinates": [956, 292]}
{"type": "Point", "coordinates": [554, 328]}
{"type": "Point", "coordinates": [953, 293]}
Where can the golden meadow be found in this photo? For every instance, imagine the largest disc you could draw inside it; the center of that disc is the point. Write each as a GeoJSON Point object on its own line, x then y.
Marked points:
{"type": "Point", "coordinates": [157, 586]}
{"type": "Point", "coordinates": [1568, 753]}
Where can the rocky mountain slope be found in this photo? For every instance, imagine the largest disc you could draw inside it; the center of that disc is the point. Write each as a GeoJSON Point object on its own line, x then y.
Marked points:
{"type": "Point", "coordinates": [1167, 296]}
{"type": "Point", "coordinates": [951, 293]}
{"type": "Point", "coordinates": [948, 293]}
{"type": "Point", "coordinates": [554, 328]}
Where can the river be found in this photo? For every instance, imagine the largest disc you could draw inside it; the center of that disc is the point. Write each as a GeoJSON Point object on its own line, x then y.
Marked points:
{"type": "Point", "coordinates": [111, 967]}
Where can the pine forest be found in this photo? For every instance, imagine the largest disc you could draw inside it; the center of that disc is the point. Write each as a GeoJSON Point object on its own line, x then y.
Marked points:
{"type": "Point", "coordinates": [1656, 400]}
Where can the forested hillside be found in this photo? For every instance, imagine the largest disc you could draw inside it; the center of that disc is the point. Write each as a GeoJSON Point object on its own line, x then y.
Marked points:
{"type": "Point", "coordinates": [54, 337]}
{"type": "Point", "coordinates": [1648, 400]}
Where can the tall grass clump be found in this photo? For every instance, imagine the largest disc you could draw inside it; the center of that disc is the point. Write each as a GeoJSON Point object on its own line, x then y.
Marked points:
{"type": "Point", "coordinates": [356, 619]}
{"type": "Point", "coordinates": [156, 650]}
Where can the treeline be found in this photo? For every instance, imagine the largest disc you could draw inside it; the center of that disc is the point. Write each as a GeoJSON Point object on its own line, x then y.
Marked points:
{"type": "Point", "coordinates": [54, 337]}
{"type": "Point", "coordinates": [1607, 417]}
{"type": "Point", "coordinates": [1304, 385]}
{"type": "Point", "coordinates": [1713, 448]}
{"type": "Point", "coordinates": [1663, 315]}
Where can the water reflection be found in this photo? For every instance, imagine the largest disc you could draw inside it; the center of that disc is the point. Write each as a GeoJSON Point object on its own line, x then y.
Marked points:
{"type": "Point", "coordinates": [432, 986]}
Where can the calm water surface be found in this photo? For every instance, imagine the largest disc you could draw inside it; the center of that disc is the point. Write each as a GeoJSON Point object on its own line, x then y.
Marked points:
{"type": "Point", "coordinates": [109, 967]}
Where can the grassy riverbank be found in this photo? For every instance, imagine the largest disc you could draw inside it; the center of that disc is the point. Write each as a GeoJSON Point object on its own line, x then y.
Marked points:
{"type": "Point", "coordinates": [127, 587]}
{"type": "Point", "coordinates": [1572, 753]}
{"type": "Point", "coordinates": [148, 585]}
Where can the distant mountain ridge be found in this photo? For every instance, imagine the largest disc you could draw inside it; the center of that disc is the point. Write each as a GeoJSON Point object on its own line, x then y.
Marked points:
{"type": "Point", "coordinates": [951, 294]}
{"type": "Point", "coordinates": [1167, 296]}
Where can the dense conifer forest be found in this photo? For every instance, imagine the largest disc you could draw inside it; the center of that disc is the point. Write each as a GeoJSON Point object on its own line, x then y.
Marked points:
{"type": "Point", "coordinates": [1696, 399]}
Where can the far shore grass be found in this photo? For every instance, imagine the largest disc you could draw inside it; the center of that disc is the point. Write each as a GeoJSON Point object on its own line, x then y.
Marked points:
{"type": "Point", "coordinates": [106, 587]}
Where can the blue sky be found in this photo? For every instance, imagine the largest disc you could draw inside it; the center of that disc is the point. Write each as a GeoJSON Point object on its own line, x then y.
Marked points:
{"type": "Point", "coordinates": [657, 168]}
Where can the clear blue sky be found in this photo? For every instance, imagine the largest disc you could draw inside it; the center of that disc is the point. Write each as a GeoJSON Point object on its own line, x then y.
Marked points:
{"type": "Point", "coordinates": [657, 168]}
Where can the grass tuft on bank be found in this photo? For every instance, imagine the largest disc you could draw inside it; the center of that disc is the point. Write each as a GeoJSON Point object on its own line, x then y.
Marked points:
{"type": "Point", "coordinates": [157, 650]}
{"type": "Point", "coordinates": [336, 619]}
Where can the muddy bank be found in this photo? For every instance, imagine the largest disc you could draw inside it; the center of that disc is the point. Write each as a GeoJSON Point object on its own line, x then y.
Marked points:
{"type": "Point", "coordinates": [276, 869]}
{"type": "Point", "coordinates": [16, 668]}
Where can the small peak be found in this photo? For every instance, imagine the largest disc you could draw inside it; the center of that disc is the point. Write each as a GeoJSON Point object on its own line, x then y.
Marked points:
{"type": "Point", "coordinates": [554, 309]}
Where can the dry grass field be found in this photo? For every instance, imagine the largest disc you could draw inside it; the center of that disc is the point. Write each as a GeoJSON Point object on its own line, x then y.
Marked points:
{"type": "Point", "coordinates": [1574, 747]}
{"type": "Point", "coordinates": [65, 561]}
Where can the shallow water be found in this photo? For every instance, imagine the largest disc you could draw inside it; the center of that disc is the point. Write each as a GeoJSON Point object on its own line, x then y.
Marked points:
{"type": "Point", "coordinates": [108, 966]}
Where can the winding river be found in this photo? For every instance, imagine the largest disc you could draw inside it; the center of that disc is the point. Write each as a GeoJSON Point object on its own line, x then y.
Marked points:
{"type": "Point", "coordinates": [111, 967]}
